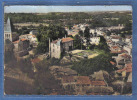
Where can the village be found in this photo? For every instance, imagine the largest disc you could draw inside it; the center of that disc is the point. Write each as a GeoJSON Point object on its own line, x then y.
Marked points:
{"type": "Point", "coordinates": [101, 82]}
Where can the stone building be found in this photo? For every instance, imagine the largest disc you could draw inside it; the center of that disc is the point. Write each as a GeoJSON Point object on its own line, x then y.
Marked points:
{"type": "Point", "coordinates": [21, 44]}
{"type": "Point", "coordinates": [7, 31]}
{"type": "Point", "coordinates": [32, 39]}
{"type": "Point", "coordinates": [61, 45]}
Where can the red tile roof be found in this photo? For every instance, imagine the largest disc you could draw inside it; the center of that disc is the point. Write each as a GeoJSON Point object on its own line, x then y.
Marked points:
{"type": "Point", "coordinates": [121, 51]}
{"type": "Point", "coordinates": [83, 80]}
{"type": "Point", "coordinates": [128, 68]}
{"type": "Point", "coordinates": [115, 37]}
{"type": "Point", "coordinates": [20, 40]}
{"type": "Point", "coordinates": [67, 79]}
{"type": "Point", "coordinates": [125, 55]}
{"type": "Point", "coordinates": [115, 47]}
{"type": "Point", "coordinates": [113, 63]}
{"type": "Point", "coordinates": [67, 39]}
{"type": "Point", "coordinates": [98, 83]}
{"type": "Point", "coordinates": [64, 40]}
{"type": "Point", "coordinates": [35, 60]}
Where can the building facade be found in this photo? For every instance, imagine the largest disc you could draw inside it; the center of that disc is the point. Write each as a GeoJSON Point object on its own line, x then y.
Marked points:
{"type": "Point", "coordinates": [59, 46]}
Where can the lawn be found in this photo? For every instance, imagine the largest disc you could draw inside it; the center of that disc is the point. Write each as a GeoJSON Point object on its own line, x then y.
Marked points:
{"type": "Point", "coordinates": [88, 53]}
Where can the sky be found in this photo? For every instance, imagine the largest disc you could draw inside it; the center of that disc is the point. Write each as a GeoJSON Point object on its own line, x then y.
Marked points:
{"type": "Point", "coordinates": [46, 9]}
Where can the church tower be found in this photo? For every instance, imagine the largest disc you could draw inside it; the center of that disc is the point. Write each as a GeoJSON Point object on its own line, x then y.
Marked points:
{"type": "Point", "coordinates": [7, 31]}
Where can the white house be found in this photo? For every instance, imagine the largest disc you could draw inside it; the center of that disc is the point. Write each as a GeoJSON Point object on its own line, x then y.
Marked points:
{"type": "Point", "coordinates": [32, 38]}
{"type": "Point", "coordinates": [94, 40]}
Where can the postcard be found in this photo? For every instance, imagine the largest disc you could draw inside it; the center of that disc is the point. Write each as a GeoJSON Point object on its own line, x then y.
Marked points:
{"type": "Point", "coordinates": [68, 50]}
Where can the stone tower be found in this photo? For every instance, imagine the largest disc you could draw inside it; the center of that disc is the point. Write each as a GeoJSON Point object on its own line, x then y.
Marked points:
{"type": "Point", "coordinates": [7, 31]}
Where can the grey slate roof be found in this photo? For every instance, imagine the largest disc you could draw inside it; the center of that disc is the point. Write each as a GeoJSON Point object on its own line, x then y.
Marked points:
{"type": "Point", "coordinates": [7, 26]}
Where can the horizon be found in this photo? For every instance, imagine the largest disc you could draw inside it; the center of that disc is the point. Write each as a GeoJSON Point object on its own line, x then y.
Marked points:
{"type": "Point", "coordinates": [65, 9]}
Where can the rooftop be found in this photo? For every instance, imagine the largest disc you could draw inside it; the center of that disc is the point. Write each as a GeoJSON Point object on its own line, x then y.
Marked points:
{"type": "Point", "coordinates": [128, 68]}
{"type": "Point", "coordinates": [83, 80]}
{"type": "Point", "coordinates": [63, 40]}
{"type": "Point", "coordinates": [67, 79]}
{"type": "Point", "coordinates": [98, 83]}
{"type": "Point", "coordinates": [19, 40]}
{"type": "Point", "coordinates": [67, 39]}
{"type": "Point", "coordinates": [35, 60]}
{"type": "Point", "coordinates": [113, 63]}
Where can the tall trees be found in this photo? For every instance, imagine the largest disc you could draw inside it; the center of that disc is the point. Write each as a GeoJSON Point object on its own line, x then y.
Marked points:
{"type": "Point", "coordinates": [77, 42]}
{"type": "Point", "coordinates": [87, 35]}
{"type": "Point", "coordinates": [45, 32]}
{"type": "Point", "coordinates": [103, 45]}
{"type": "Point", "coordinates": [89, 66]}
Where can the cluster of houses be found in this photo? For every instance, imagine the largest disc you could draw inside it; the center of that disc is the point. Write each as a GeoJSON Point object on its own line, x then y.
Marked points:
{"type": "Point", "coordinates": [121, 47]}
{"type": "Point", "coordinates": [21, 44]}
{"type": "Point", "coordinates": [72, 82]}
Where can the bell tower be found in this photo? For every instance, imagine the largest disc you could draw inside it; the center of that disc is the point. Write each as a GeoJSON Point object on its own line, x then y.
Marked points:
{"type": "Point", "coordinates": [7, 30]}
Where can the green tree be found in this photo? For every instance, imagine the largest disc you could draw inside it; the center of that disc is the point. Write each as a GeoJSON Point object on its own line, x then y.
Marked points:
{"type": "Point", "coordinates": [89, 66]}
{"type": "Point", "coordinates": [45, 32]}
{"type": "Point", "coordinates": [77, 42]}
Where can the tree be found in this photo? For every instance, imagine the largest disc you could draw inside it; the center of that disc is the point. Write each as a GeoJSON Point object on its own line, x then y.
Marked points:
{"type": "Point", "coordinates": [89, 66]}
{"type": "Point", "coordinates": [103, 45]}
{"type": "Point", "coordinates": [87, 36]}
{"type": "Point", "coordinates": [86, 32]}
{"type": "Point", "coordinates": [44, 81]}
{"type": "Point", "coordinates": [77, 42]}
{"type": "Point", "coordinates": [45, 32]}
{"type": "Point", "coordinates": [81, 33]}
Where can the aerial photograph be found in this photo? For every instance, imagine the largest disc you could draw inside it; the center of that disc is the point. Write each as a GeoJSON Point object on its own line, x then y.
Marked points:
{"type": "Point", "coordinates": [67, 50]}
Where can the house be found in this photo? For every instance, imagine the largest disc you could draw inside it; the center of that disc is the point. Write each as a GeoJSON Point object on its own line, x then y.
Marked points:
{"type": "Point", "coordinates": [68, 81]}
{"type": "Point", "coordinates": [127, 68]}
{"type": "Point", "coordinates": [77, 83]}
{"type": "Point", "coordinates": [94, 40]}
{"type": "Point", "coordinates": [120, 43]}
{"type": "Point", "coordinates": [115, 38]}
{"type": "Point", "coordinates": [126, 71]}
{"type": "Point", "coordinates": [128, 48]}
{"type": "Point", "coordinates": [115, 49]}
{"type": "Point", "coordinates": [98, 83]}
{"type": "Point", "coordinates": [122, 59]}
{"type": "Point", "coordinates": [59, 46]}
{"type": "Point", "coordinates": [21, 47]}
{"type": "Point", "coordinates": [100, 76]}
{"type": "Point", "coordinates": [83, 81]}
{"type": "Point", "coordinates": [32, 38]}
{"type": "Point", "coordinates": [97, 90]}
{"type": "Point", "coordinates": [21, 44]}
